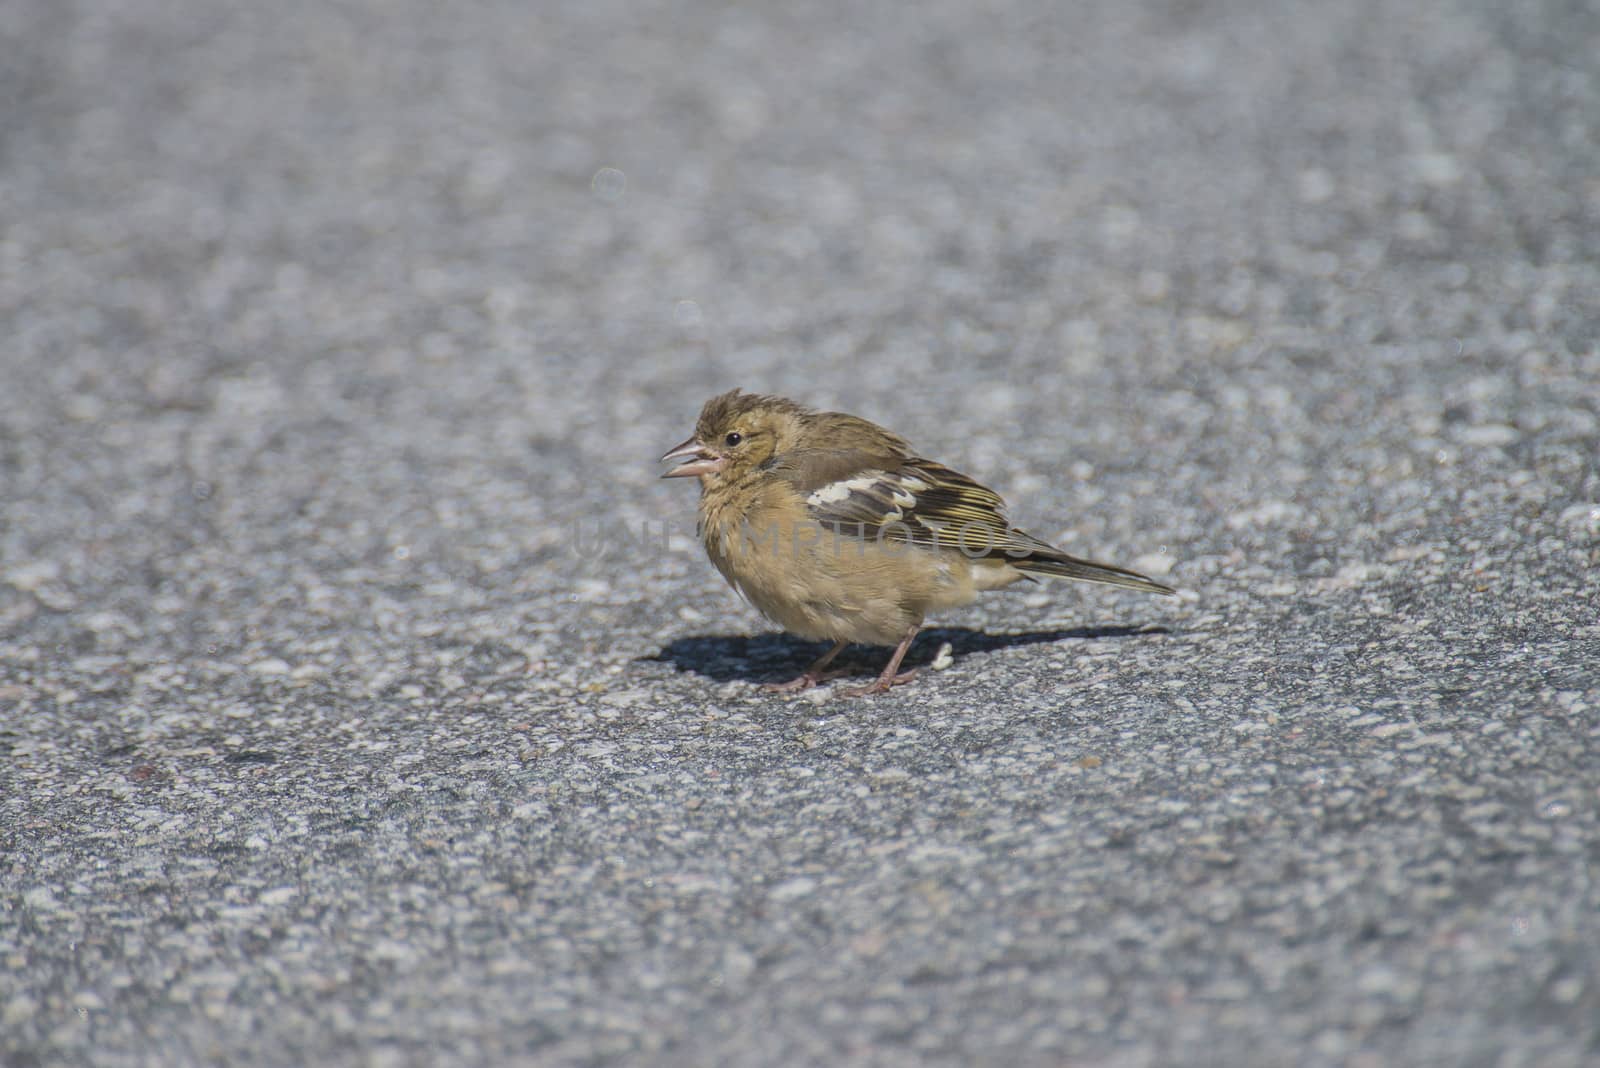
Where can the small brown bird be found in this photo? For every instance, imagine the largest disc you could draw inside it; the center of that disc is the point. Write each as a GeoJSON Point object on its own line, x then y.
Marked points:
{"type": "Point", "coordinates": [835, 528]}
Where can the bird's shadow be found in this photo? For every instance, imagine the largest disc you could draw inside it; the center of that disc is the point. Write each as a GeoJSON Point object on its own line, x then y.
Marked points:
{"type": "Point", "coordinates": [777, 657]}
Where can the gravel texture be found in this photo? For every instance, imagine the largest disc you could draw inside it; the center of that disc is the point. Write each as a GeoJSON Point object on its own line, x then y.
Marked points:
{"type": "Point", "coordinates": [365, 699]}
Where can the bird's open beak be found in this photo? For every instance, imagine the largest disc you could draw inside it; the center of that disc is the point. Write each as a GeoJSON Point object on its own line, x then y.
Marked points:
{"type": "Point", "coordinates": [698, 460]}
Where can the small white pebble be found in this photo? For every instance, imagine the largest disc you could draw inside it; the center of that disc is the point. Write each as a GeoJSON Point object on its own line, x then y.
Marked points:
{"type": "Point", "coordinates": [793, 888]}
{"type": "Point", "coordinates": [1154, 564]}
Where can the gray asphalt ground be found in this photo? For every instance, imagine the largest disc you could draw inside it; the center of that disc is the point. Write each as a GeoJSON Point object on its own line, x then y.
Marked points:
{"type": "Point", "coordinates": [365, 699]}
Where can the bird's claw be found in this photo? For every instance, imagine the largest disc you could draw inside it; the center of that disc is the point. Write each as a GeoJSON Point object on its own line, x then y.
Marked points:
{"type": "Point", "coordinates": [801, 682]}
{"type": "Point", "coordinates": [880, 685]}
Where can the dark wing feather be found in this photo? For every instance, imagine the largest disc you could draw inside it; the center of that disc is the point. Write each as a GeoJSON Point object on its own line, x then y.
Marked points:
{"type": "Point", "coordinates": [902, 499]}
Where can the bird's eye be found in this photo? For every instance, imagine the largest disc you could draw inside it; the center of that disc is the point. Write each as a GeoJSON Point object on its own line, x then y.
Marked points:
{"type": "Point", "coordinates": [733, 438]}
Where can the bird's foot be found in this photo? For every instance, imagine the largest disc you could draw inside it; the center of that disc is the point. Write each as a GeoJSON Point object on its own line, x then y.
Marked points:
{"type": "Point", "coordinates": [803, 681]}
{"type": "Point", "coordinates": [881, 684]}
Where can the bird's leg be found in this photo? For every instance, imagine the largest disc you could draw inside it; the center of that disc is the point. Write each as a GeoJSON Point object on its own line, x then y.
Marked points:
{"type": "Point", "coordinates": [811, 676]}
{"type": "Point", "coordinates": [888, 678]}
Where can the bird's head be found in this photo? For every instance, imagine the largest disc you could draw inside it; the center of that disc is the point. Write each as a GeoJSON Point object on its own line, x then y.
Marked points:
{"type": "Point", "coordinates": [735, 433]}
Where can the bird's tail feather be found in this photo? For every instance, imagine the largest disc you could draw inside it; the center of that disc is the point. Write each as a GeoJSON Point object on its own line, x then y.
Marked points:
{"type": "Point", "coordinates": [1070, 567]}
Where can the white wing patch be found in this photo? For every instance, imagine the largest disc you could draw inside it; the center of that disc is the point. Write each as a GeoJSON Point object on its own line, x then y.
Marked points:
{"type": "Point", "coordinates": [834, 492]}
{"type": "Point", "coordinates": [902, 492]}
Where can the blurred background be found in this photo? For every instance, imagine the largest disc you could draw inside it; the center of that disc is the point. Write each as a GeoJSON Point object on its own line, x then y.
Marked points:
{"type": "Point", "coordinates": [333, 333]}
{"type": "Point", "coordinates": [478, 267]}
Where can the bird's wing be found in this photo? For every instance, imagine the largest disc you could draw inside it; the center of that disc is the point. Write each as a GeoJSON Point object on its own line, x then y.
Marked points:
{"type": "Point", "coordinates": [904, 500]}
